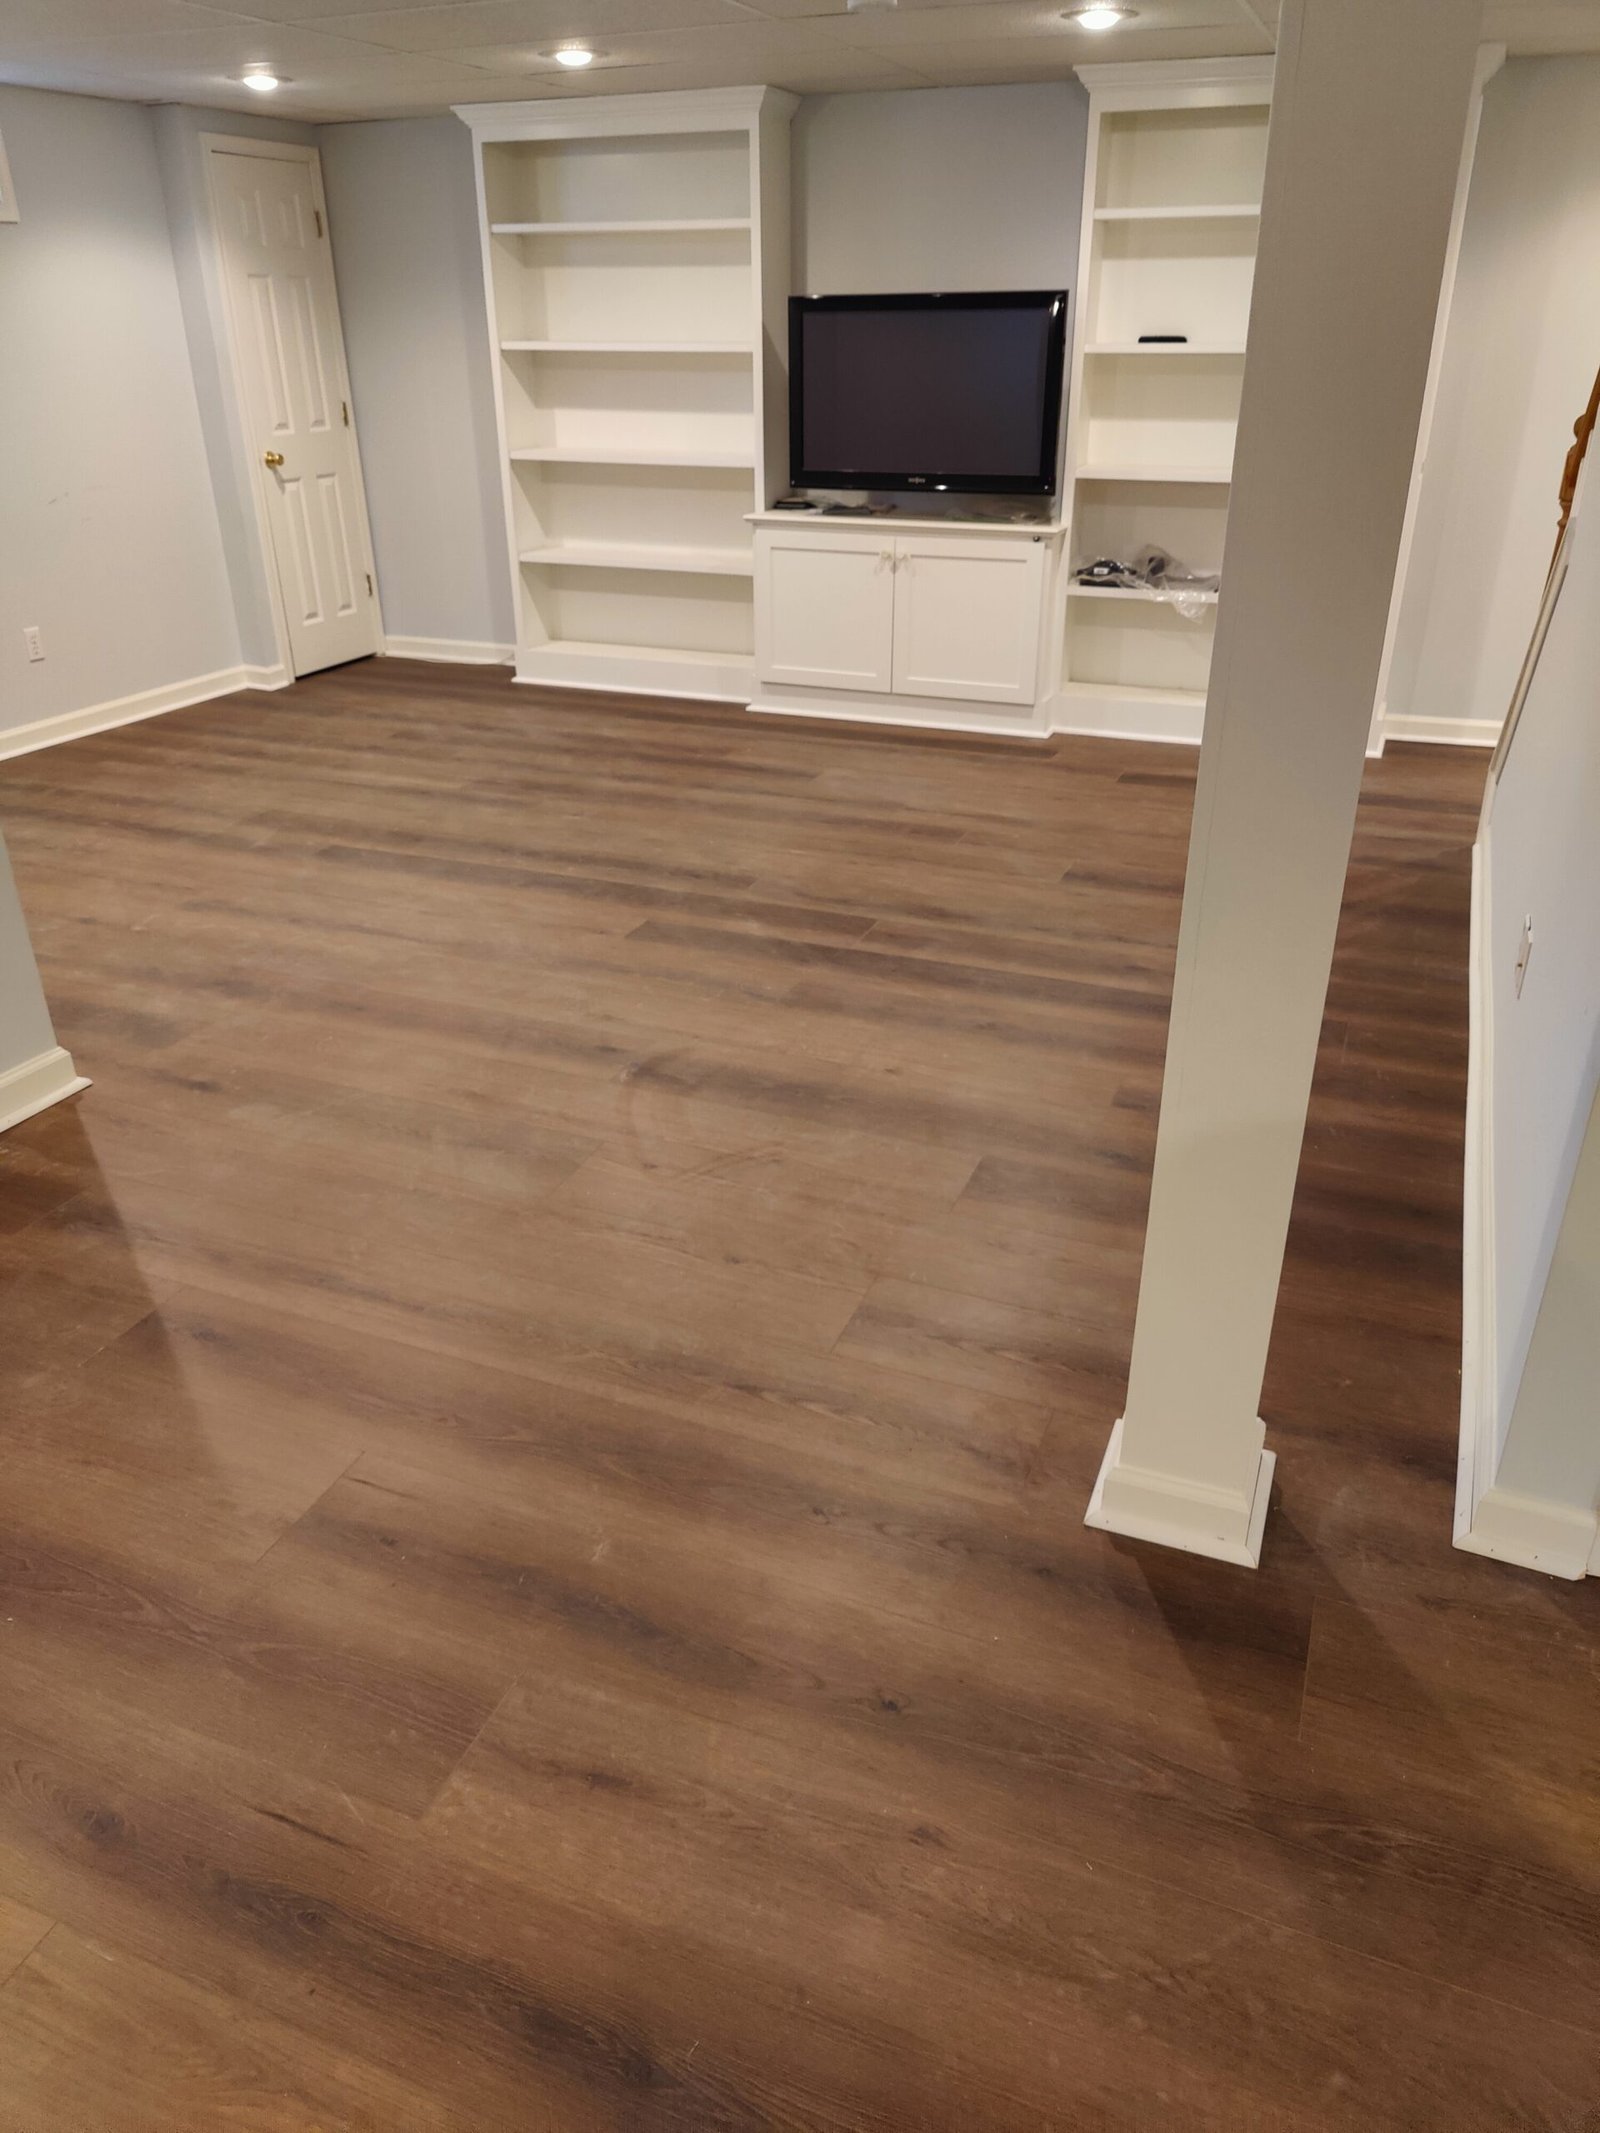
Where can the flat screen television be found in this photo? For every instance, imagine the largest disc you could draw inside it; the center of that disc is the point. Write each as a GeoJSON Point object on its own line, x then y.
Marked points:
{"type": "Point", "coordinates": [958, 392]}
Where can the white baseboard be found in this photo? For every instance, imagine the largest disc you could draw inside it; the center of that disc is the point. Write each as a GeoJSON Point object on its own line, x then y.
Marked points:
{"type": "Point", "coordinates": [1479, 1449]}
{"type": "Point", "coordinates": [1126, 715]}
{"type": "Point", "coordinates": [1144, 1505]}
{"type": "Point", "coordinates": [618, 670]}
{"type": "Point", "coordinates": [450, 651]}
{"type": "Point", "coordinates": [1449, 732]}
{"type": "Point", "coordinates": [146, 703]}
{"type": "Point", "coordinates": [917, 715]}
{"type": "Point", "coordinates": [1532, 1531]}
{"type": "Point", "coordinates": [37, 1084]}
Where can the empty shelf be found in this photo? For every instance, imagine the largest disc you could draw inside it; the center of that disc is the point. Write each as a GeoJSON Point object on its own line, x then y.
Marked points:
{"type": "Point", "coordinates": [644, 348]}
{"type": "Point", "coordinates": [1220, 476]}
{"type": "Point", "coordinates": [602, 555]}
{"type": "Point", "coordinates": [1242, 211]}
{"type": "Point", "coordinates": [1132, 594]}
{"type": "Point", "coordinates": [620, 229]}
{"type": "Point", "coordinates": [577, 455]}
{"type": "Point", "coordinates": [1164, 348]}
{"type": "Point", "coordinates": [1133, 695]}
{"type": "Point", "coordinates": [667, 654]}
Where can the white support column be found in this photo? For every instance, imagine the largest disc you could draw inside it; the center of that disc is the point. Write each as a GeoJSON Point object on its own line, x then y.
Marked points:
{"type": "Point", "coordinates": [1369, 105]}
{"type": "Point", "coordinates": [34, 1070]}
{"type": "Point", "coordinates": [1542, 1507]}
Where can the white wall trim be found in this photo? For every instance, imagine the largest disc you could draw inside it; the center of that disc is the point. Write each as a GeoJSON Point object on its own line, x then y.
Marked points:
{"type": "Point", "coordinates": [452, 651]}
{"type": "Point", "coordinates": [267, 677]}
{"type": "Point", "coordinates": [1491, 58]}
{"type": "Point", "coordinates": [1145, 1505]}
{"type": "Point", "coordinates": [1531, 1531]}
{"type": "Point", "coordinates": [37, 1084]}
{"type": "Point", "coordinates": [1452, 732]}
{"type": "Point", "coordinates": [1479, 1449]}
{"type": "Point", "coordinates": [929, 716]}
{"type": "Point", "coordinates": [556, 117]}
{"type": "Point", "coordinates": [1536, 1532]}
{"type": "Point", "coordinates": [1140, 722]}
{"type": "Point", "coordinates": [146, 703]}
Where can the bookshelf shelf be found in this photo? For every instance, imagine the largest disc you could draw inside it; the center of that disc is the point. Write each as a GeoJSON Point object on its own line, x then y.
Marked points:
{"type": "Point", "coordinates": [636, 260]}
{"type": "Point", "coordinates": [1245, 211]}
{"type": "Point", "coordinates": [601, 555]}
{"type": "Point", "coordinates": [689, 227]}
{"type": "Point", "coordinates": [1175, 167]}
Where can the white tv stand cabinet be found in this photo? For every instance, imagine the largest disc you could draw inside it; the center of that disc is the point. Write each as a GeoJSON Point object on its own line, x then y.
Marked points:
{"type": "Point", "coordinates": [905, 621]}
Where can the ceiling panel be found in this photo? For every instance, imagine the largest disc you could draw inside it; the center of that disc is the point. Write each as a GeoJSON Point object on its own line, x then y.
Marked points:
{"type": "Point", "coordinates": [788, 55]}
{"type": "Point", "coordinates": [1045, 59]}
{"type": "Point", "coordinates": [529, 22]}
{"type": "Point", "coordinates": [65, 21]}
{"type": "Point", "coordinates": [203, 66]}
{"type": "Point", "coordinates": [1531, 27]}
{"type": "Point", "coordinates": [1000, 24]}
{"type": "Point", "coordinates": [340, 59]}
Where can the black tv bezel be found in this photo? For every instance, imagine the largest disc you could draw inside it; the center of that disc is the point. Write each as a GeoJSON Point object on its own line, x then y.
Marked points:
{"type": "Point", "coordinates": [935, 482]}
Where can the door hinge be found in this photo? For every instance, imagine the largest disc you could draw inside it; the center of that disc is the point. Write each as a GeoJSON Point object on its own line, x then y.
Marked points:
{"type": "Point", "coordinates": [344, 409]}
{"type": "Point", "coordinates": [316, 216]}
{"type": "Point", "coordinates": [369, 584]}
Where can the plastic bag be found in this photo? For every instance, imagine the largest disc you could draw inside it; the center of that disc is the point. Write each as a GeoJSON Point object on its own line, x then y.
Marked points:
{"type": "Point", "coordinates": [1154, 571]}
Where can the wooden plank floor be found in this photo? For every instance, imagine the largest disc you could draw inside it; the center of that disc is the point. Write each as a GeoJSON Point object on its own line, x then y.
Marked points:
{"type": "Point", "coordinates": [550, 1389]}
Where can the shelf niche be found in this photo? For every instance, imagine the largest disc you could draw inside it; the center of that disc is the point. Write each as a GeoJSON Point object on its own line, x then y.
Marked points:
{"type": "Point", "coordinates": [1177, 154]}
{"type": "Point", "coordinates": [637, 177]}
{"type": "Point", "coordinates": [636, 263]}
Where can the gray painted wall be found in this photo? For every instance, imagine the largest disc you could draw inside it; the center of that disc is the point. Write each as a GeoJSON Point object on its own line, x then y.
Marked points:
{"type": "Point", "coordinates": [916, 189]}
{"type": "Point", "coordinates": [108, 532]}
{"type": "Point", "coordinates": [1519, 359]}
{"type": "Point", "coordinates": [25, 1031]}
{"type": "Point", "coordinates": [403, 216]}
{"type": "Point", "coordinates": [910, 189]}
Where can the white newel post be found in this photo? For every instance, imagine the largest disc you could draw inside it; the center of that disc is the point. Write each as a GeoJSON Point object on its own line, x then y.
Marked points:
{"type": "Point", "coordinates": [1369, 107]}
{"type": "Point", "coordinates": [34, 1070]}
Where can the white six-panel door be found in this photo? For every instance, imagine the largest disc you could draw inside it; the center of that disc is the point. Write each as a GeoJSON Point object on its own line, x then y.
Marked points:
{"type": "Point", "coordinates": [285, 314]}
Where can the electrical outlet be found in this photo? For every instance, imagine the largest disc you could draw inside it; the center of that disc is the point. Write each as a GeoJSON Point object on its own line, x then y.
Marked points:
{"type": "Point", "coordinates": [1524, 955]}
{"type": "Point", "coordinates": [34, 641]}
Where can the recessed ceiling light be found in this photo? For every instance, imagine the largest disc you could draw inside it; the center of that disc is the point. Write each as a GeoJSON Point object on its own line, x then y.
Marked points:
{"type": "Point", "coordinates": [260, 78]}
{"type": "Point", "coordinates": [573, 55]}
{"type": "Point", "coordinates": [1099, 15]}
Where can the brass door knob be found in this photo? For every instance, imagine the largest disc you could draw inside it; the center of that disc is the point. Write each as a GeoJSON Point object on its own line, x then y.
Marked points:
{"type": "Point", "coordinates": [273, 459]}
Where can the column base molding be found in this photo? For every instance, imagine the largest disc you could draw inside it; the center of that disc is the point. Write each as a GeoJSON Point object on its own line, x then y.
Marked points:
{"type": "Point", "coordinates": [1142, 1504]}
{"type": "Point", "coordinates": [1530, 1530]}
{"type": "Point", "coordinates": [37, 1084]}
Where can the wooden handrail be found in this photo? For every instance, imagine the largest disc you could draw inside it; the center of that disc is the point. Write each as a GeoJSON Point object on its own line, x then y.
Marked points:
{"type": "Point", "coordinates": [1582, 431]}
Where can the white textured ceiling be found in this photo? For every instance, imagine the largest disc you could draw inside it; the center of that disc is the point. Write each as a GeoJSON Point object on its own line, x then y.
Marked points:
{"type": "Point", "coordinates": [342, 61]}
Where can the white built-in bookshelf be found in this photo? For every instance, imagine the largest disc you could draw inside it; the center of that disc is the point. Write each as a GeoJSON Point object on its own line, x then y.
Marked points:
{"type": "Point", "coordinates": [1172, 200]}
{"type": "Point", "coordinates": [636, 259]}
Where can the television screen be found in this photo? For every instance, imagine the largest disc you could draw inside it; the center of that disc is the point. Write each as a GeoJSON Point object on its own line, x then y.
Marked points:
{"type": "Point", "coordinates": [926, 392]}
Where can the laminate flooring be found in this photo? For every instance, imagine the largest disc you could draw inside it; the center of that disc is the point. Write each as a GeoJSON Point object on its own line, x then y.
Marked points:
{"type": "Point", "coordinates": [549, 1392]}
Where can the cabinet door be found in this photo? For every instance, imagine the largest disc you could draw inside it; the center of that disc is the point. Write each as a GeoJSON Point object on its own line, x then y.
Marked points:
{"type": "Point", "coordinates": [824, 608]}
{"type": "Point", "coordinates": [967, 617]}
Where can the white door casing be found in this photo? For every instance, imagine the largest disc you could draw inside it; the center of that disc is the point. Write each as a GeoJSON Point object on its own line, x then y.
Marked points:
{"type": "Point", "coordinates": [825, 610]}
{"type": "Point", "coordinates": [967, 618]}
{"type": "Point", "coordinates": [277, 268]}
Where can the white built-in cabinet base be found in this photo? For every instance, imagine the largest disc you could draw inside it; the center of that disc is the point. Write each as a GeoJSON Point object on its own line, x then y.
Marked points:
{"type": "Point", "coordinates": [901, 621]}
{"type": "Point", "coordinates": [657, 671]}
